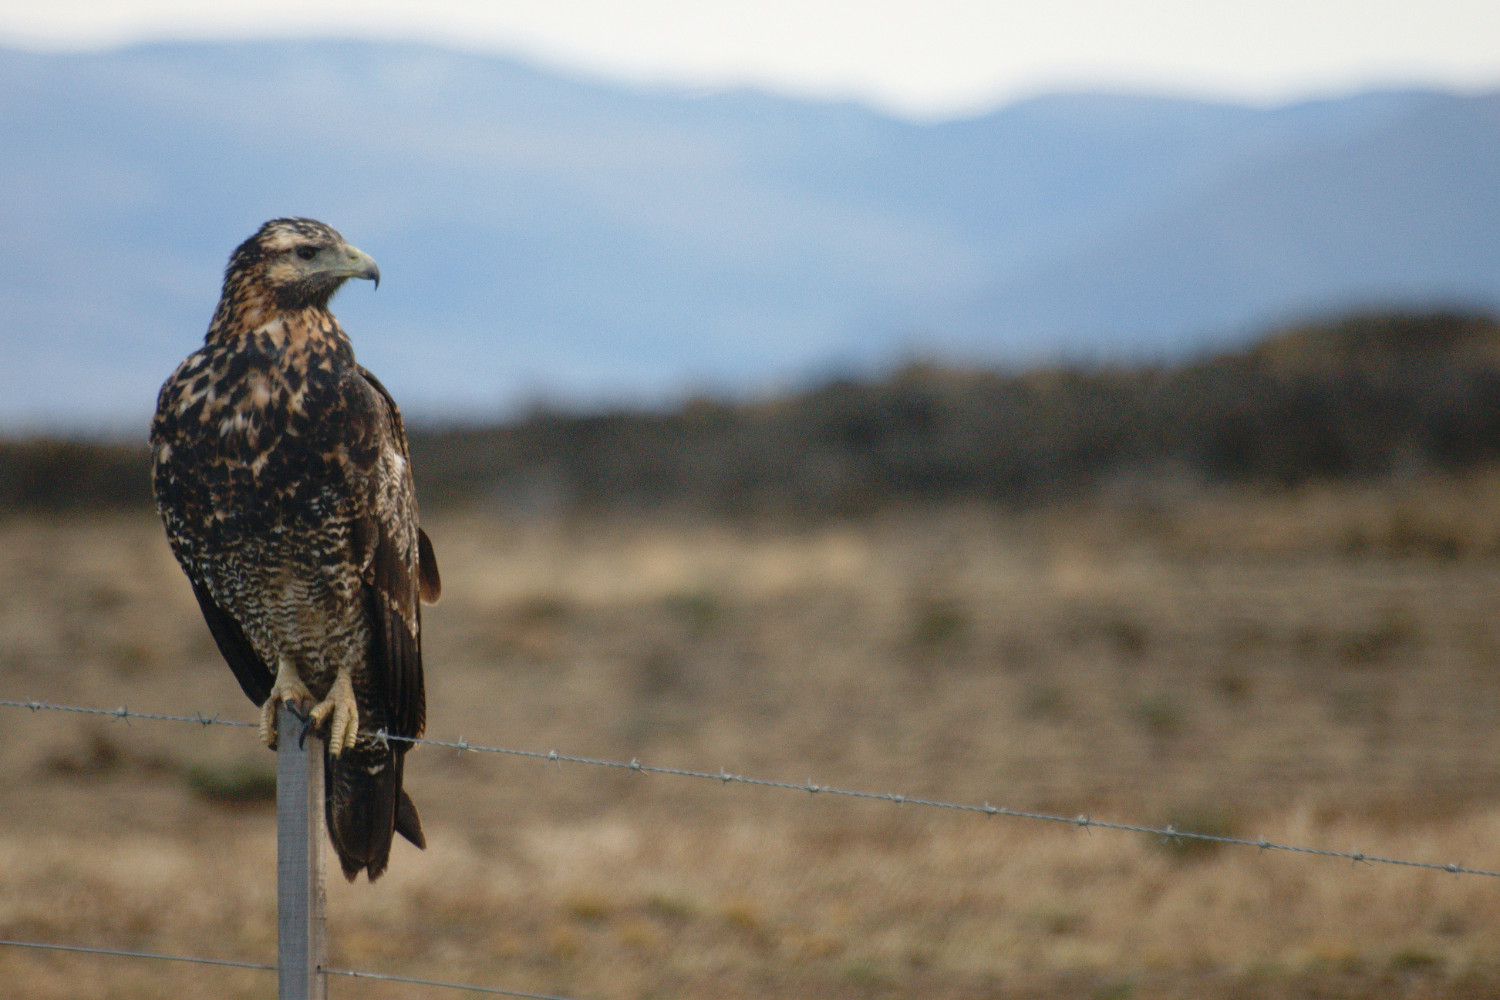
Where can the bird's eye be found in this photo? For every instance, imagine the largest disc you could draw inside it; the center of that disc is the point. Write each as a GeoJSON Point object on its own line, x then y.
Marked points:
{"type": "Point", "coordinates": [307, 251]}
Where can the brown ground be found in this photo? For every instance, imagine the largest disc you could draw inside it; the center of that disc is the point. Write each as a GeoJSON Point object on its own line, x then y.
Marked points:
{"type": "Point", "coordinates": [1315, 668]}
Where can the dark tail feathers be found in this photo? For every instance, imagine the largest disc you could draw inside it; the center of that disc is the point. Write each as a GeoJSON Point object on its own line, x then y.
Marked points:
{"type": "Point", "coordinates": [366, 806]}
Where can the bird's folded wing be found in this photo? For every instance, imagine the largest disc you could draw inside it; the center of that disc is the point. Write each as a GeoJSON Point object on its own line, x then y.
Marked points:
{"type": "Point", "coordinates": [398, 569]}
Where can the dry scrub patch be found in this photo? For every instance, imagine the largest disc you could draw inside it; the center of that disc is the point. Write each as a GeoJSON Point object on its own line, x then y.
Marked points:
{"type": "Point", "coordinates": [1229, 663]}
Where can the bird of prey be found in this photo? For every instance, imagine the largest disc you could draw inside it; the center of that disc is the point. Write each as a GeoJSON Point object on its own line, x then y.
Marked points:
{"type": "Point", "coordinates": [281, 472]}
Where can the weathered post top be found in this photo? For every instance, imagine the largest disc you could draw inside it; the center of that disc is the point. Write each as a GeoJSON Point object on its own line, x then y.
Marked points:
{"type": "Point", "coordinates": [301, 894]}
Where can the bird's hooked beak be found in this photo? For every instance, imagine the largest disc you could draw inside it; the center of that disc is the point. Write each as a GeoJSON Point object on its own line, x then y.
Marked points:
{"type": "Point", "coordinates": [355, 263]}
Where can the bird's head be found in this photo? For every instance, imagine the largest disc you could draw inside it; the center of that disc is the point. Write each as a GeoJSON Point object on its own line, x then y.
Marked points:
{"type": "Point", "coordinates": [299, 262]}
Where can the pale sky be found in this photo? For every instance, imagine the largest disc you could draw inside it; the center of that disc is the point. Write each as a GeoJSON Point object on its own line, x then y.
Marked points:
{"type": "Point", "coordinates": [925, 59]}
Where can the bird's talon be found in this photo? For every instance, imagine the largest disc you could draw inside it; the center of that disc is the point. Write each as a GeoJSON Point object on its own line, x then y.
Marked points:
{"type": "Point", "coordinates": [288, 690]}
{"type": "Point", "coordinates": [308, 725]}
{"type": "Point", "coordinates": [341, 712]}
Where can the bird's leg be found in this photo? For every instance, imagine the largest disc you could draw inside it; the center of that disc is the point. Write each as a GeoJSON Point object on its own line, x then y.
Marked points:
{"type": "Point", "coordinates": [341, 706]}
{"type": "Point", "coordinates": [287, 690]}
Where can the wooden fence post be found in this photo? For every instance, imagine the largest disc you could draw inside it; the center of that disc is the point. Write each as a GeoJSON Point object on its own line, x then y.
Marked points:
{"type": "Point", "coordinates": [301, 893]}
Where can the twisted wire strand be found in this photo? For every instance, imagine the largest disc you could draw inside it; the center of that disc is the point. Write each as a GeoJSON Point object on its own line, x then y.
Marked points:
{"type": "Point", "coordinates": [1085, 822]}
{"type": "Point", "coordinates": [265, 967]}
{"type": "Point", "coordinates": [496, 991]}
{"type": "Point", "coordinates": [120, 953]}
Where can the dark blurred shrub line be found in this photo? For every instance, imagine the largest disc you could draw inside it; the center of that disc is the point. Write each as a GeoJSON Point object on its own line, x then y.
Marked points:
{"type": "Point", "coordinates": [1368, 397]}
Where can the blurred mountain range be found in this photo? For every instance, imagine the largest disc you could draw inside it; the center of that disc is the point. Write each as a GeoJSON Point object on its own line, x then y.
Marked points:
{"type": "Point", "coordinates": [546, 237]}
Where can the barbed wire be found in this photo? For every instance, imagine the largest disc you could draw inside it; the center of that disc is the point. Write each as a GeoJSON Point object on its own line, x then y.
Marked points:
{"type": "Point", "coordinates": [266, 967]}
{"type": "Point", "coordinates": [87, 950]}
{"type": "Point", "coordinates": [438, 982]}
{"type": "Point", "coordinates": [1084, 822]}
{"type": "Point", "coordinates": [124, 713]}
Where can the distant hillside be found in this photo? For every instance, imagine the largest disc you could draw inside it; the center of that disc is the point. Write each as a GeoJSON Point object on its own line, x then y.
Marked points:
{"type": "Point", "coordinates": [548, 237]}
{"type": "Point", "coordinates": [1367, 397]}
{"type": "Point", "coordinates": [1401, 209]}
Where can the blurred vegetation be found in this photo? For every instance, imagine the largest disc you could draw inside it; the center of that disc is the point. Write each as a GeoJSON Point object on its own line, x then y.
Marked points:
{"type": "Point", "coordinates": [56, 476]}
{"type": "Point", "coordinates": [1369, 396]}
{"type": "Point", "coordinates": [242, 784]}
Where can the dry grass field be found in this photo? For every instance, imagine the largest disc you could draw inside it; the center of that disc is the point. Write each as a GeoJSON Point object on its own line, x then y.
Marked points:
{"type": "Point", "coordinates": [1316, 667]}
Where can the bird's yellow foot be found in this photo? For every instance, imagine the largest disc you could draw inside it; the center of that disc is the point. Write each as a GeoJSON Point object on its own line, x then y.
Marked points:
{"type": "Point", "coordinates": [288, 690]}
{"type": "Point", "coordinates": [341, 707]}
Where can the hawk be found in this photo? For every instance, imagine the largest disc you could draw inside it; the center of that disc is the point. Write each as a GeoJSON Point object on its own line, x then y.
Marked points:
{"type": "Point", "coordinates": [281, 472]}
